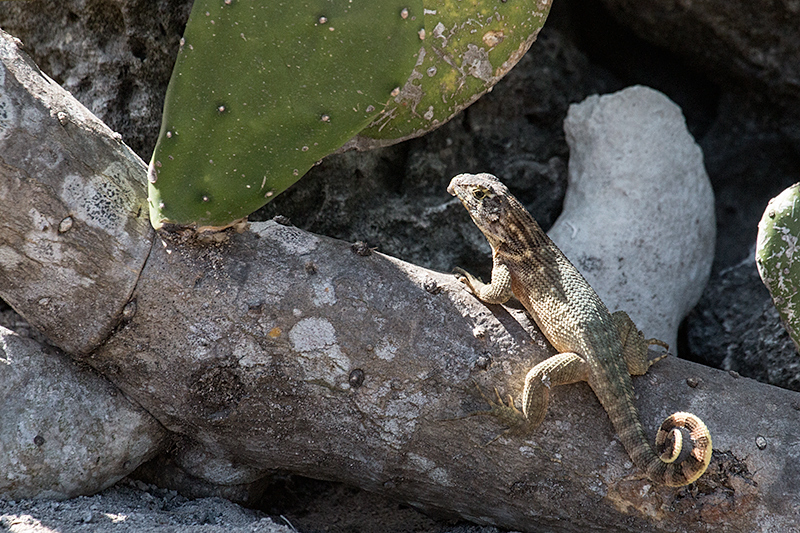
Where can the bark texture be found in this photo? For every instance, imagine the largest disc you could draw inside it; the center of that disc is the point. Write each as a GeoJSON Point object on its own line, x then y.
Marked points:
{"type": "Point", "coordinates": [280, 349]}
{"type": "Point", "coordinates": [75, 232]}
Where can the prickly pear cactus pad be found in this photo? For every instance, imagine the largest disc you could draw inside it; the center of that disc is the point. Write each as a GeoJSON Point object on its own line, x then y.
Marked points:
{"type": "Point", "coordinates": [263, 89]}
{"type": "Point", "coordinates": [468, 45]}
{"type": "Point", "coordinates": [778, 256]}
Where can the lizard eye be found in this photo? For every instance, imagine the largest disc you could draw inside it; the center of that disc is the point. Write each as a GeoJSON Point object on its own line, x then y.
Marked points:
{"type": "Point", "coordinates": [480, 193]}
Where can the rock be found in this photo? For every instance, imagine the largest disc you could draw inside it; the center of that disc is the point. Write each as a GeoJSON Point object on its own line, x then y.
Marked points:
{"type": "Point", "coordinates": [114, 56]}
{"type": "Point", "coordinates": [135, 507]}
{"type": "Point", "coordinates": [197, 473]}
{"type": "Point", "coordinates": [65, 431]}
{"type": "Point", "coordinates": [638, 218]}
{"type": "Point", "coordinates": [735, 326]}
{"type": "Point", "coordinates": [737, 41]}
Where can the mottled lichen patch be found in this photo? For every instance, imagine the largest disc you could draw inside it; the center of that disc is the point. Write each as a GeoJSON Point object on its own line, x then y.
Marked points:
{"type": "Point", "coordinates": [290, 239]}
{"type": "Point", "coordinates": [103, 200]}
{"type": "Point", "coordinates": [322, 359]}
{"type": "Point", "coordinates": [436, 473]}
{"type": "Point", "coordinates": [8, 115]}
{"type": "Point", "coordinates": [323, 292]}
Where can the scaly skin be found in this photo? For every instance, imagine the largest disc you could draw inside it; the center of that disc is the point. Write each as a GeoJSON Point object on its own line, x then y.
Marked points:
{"type": "Point", "coordinates": [594, 345]}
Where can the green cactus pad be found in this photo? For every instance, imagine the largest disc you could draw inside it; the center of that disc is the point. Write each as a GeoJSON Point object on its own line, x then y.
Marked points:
{"type": "Point", "coordinates": [468, 46]}
{"type": "Point", "coordinates": [262, 90]}
{"type": "Point", "coordinates": [778, 256]}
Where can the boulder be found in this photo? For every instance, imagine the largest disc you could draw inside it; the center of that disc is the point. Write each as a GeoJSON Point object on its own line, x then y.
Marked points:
{"type": "Point", "coordinates": [638, 218]}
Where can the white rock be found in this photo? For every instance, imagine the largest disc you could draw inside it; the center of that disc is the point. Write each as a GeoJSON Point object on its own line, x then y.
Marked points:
{"type": "Point", "coordinates": [638, 218]}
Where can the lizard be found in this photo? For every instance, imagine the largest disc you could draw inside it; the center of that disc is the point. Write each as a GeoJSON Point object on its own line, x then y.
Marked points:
{"type": "Point", "coordinates": [593, 345]}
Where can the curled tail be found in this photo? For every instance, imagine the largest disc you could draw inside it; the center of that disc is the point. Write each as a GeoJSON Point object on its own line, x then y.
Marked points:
{"type": "Point", "coordinates": [675, 465]}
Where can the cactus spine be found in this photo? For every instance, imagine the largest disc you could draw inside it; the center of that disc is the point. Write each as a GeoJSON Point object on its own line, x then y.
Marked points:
{"type": "Point", "coordinates": [778, 257]}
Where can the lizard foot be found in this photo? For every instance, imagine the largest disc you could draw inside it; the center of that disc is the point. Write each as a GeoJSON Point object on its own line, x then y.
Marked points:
{"type": "Point", "coordinates": [467, 279]}
{"type": "Point", "coordinates": [656, 342]}
{"type": "Point", "coordinates": [506, 412]}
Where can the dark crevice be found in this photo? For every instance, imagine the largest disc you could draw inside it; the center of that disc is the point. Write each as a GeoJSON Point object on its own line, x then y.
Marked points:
{"type": "Point", "coordinates": [633, 61]}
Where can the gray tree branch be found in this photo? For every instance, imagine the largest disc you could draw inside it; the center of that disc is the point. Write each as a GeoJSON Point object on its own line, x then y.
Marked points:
{"type": "Point", "coordinates": [283, 350]}
{"type": "Point", "coordinates": [74, 232]}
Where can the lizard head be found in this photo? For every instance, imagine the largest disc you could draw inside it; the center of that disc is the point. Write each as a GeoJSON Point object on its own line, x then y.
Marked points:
{"type": "Point", "coordinates": [492, 207]}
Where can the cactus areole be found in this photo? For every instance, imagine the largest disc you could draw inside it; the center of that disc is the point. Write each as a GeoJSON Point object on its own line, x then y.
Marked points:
{"type": "Point", "coordinates": [262, 90]}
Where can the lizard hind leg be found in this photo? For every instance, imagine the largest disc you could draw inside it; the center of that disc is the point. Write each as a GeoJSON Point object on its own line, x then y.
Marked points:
{"type": "Point", "coordinates": [560, 369]}
{"type": "Point", "coordinates": [684, 465]}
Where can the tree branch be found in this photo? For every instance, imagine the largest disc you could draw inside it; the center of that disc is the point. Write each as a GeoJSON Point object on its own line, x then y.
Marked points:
{"type": "Point", "coordinates": [74, 232]}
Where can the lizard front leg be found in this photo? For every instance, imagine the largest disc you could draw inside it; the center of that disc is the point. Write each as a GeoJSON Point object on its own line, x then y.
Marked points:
{"type": "Point", "coordinates": [496, 292]}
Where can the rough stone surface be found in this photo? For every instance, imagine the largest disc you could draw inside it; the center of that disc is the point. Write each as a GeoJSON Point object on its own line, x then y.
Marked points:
{"type": "Point", "coordinates": [115, 56]}
{"type": "Point", "coordinates": [163, 471]}
{"type": "Point", "coordinates": [756, 44]}
{"type": "Point", "coordinates": [64, 431]}
{"type": "Point", "coordinates": [133, 506]}
{"type": "Point", "coordinates": [736, 327]}
{"type": "Point", "coordinates": [638, 218]}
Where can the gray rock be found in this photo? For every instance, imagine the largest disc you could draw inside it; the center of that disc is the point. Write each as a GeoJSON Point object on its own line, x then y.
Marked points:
{"type": "Point", "coordinates": [735, 326]}
{"type": "Point", "coordinates": [736, 41]}
{"type": "Point", "coordinates": [135, 507]}
{"type": "Point", "coordinates": [638, 217]}
{"type": "Point", "coordinates": [195, 472]}
{"type": "Point", "coordinates": [114, 56]}
{"type": "Point", "coordinates": [65, 431]}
